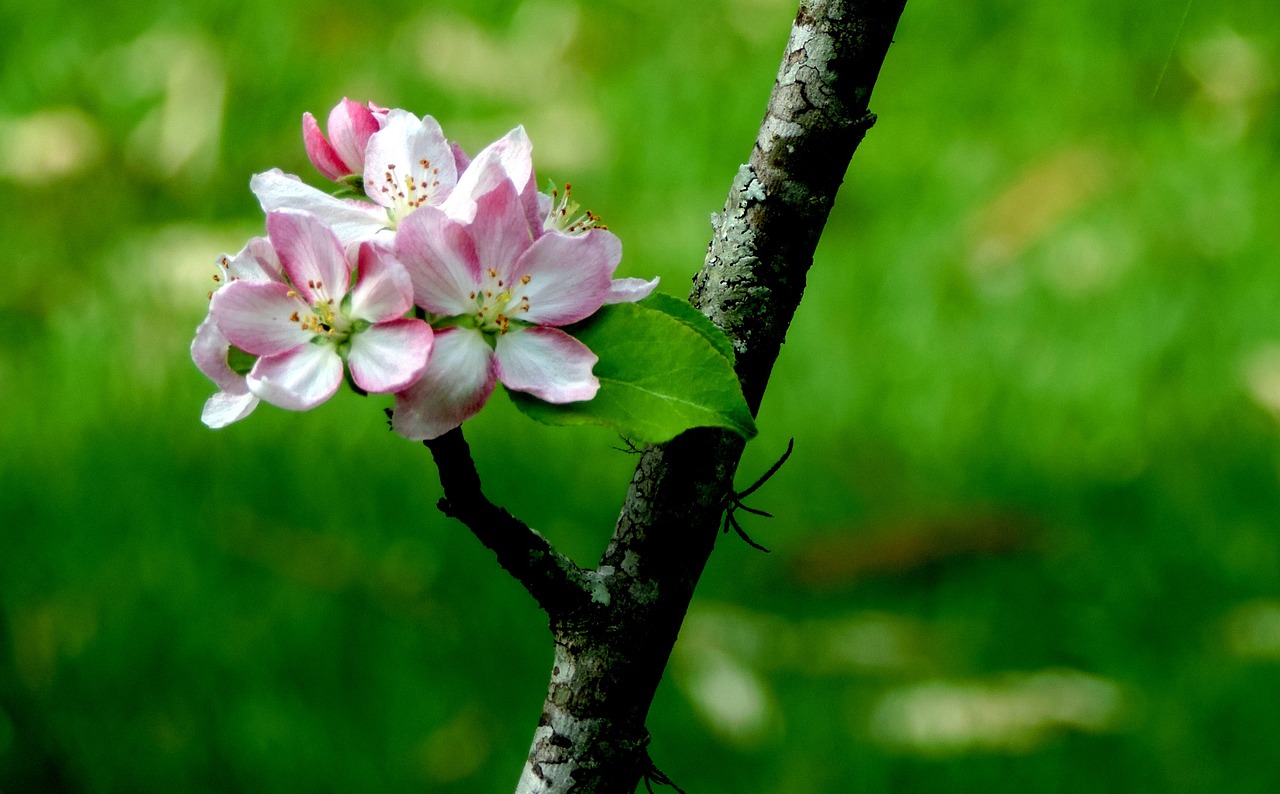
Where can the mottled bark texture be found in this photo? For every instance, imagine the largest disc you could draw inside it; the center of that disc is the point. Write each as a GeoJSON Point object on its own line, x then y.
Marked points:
{"type": "Point", "coordinates": [614, 627]}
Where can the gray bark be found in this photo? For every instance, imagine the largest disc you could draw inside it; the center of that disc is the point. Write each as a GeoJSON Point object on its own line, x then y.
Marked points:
{"type": "Point", "coordinates": [614, 627]}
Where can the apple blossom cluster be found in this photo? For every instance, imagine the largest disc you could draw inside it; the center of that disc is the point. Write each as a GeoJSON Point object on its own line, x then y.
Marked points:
{"type": "Point", "coordinates": [426, 275]}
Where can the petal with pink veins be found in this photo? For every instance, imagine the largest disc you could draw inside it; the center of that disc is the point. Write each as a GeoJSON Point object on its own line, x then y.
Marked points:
{"type": "Point", "coordinates": [389, 356]}
{"type": "Point", "coordinates": [298, 379]}
{"type": "Point", "coordinates": [322, 155]}
{"type": "Point", "coordinates": [501, 231]}
{"type": "Point", "coordinates": [257, 261]}
{"type": "Point", "coordinates": [383, 290]}
{"type": "Point", "coordinates": [311, 254]}
{"type": "Point", "coordinates": [440, 257]}
{"type": "Point", "coordinates": [257, 316]}
{"type": "Point", "coordinates": [547, 363]}
{"type": "Point", "coordinates": [456, 385]}
{"type": "Point", "coordinates": [569, 276]}
{"type": "Point", "coordinates": [351, 125]}
{"type": "Point", "coordinates": [508, 159]}
{"type": "Point", "coordinates": [351, 220]}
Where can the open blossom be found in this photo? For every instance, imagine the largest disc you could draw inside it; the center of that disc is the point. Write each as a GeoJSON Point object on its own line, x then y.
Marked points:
{"type": "Point", "coordinates": [302, 330]}
{"type": "Point", "coordinates": [407, 164]}
{"type": "Point", "coordinates": [257, 261]}
{"type": "Point", "coordinates": [501, 293]}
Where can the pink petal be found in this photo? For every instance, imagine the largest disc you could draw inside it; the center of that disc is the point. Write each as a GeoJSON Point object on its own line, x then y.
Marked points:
{"type": "Point", "coordinates": [456, 385]}
{"type": "Point", "coordinates": [257, 316]}
{"type": "Point", "coordinates": [298, 379]}
{"type": "Point", "coordinates": [500, 230]}
{"type": "Point", "coordinates": [569, 276]}
{"type": "Point", "coordinates": [383, 290]}
{"type": "Point", "coordinates": [233, 400]}
{"type": "Point", "coordinates": [351, 220]}
{"type": "Point", "coordinates": [508, 159]}
{"type": "Point", "coordinates": [224, 408]}
{"type": "Point", "coordinates": [390, 356]}
{"type": "Point", "coordinates": [408, 148]}
{"type": "Point", "coordinates": [209, 351]}
{"type": "Point", "coordinates": [630, 290]}
{"type": "Point", "coordinates": [311, 254]}
{"type": "Point", "coordinates": [323, 156]}
{"type": "Point", "coordinates": [441, 260]}
{"type": "Point", "coordinates": [350, 127]}
{"type": "Point", "coordinates": [547, 363]}
{"type": "Point", "coordinates": [460, 158]}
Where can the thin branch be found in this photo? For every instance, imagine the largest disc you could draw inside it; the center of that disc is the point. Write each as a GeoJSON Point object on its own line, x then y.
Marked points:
{"type": "Point", "coordinates": [555, 582]}
{"type": "Point", "coordinates": [764, 478]}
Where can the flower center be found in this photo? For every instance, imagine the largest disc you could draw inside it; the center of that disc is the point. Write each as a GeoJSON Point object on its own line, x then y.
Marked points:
{"type": "Point", "coordinates": [402, 192]}
{"type": "Point", "coordinates": [499, 303]}
{"type": "Point", "coordinates": [327, 323]}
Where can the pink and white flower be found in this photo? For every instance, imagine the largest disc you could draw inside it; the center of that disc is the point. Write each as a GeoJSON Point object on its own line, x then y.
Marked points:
{"type": "Point", "coordinates": [408, 164]}
{"type": "Point", "coordinates": [302, 330]}
{"type": "Point", "coordinates": [342, 153]}
{"type": "Point", "coordinates": [257, 261]}
{"type": "Point", "coordinates": [500, 288]}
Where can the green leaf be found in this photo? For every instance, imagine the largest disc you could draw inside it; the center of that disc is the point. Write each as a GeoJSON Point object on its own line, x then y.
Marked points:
{"type": "Point", "coordinates": [682, 311]}
{"type": "Point", "coordinates": [660, 374]}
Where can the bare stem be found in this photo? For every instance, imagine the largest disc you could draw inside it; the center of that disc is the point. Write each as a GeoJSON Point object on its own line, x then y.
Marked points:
{"type": "Point", "coordinates": [558, 585]}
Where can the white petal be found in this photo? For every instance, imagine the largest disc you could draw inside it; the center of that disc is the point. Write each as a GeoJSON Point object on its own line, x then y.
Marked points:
{"type": "Point", "coordinates": [351, 220]}
{"type": "Point", "coordinates": [630, 290]}
{"type": "Point", "coordinates": [406, 148]}
{"type": "Point", "coordinates": [223, 408]}
{"type": "Point", "coordinates": [297, 379]}
{"type": "Point", "coordinates": [390, 356]}
{"type": "Point", "coordinates": [547, 363]}
{"type": "Point", "coordinates": [257, 261]}
{"type": "Point", "coordinates": [456, 385]}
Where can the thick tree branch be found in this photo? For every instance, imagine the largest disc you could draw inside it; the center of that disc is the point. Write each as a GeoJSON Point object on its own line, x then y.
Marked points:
{"type": "Point", "coordinates": [591, 737]}
{"type": "Point", "coordinates": [558, 585]}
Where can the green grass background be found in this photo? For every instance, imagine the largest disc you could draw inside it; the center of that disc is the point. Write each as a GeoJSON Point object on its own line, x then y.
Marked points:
{"type": "Point", "coordinates": [1028, 540]}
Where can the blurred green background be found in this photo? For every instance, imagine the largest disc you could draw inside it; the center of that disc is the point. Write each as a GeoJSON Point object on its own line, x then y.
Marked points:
{"type": "Point", "coordinates": [1027, 541]}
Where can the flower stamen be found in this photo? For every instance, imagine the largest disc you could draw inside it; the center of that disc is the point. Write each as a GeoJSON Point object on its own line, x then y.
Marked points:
{"type": "Point", "coordinates": [564, 215]}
